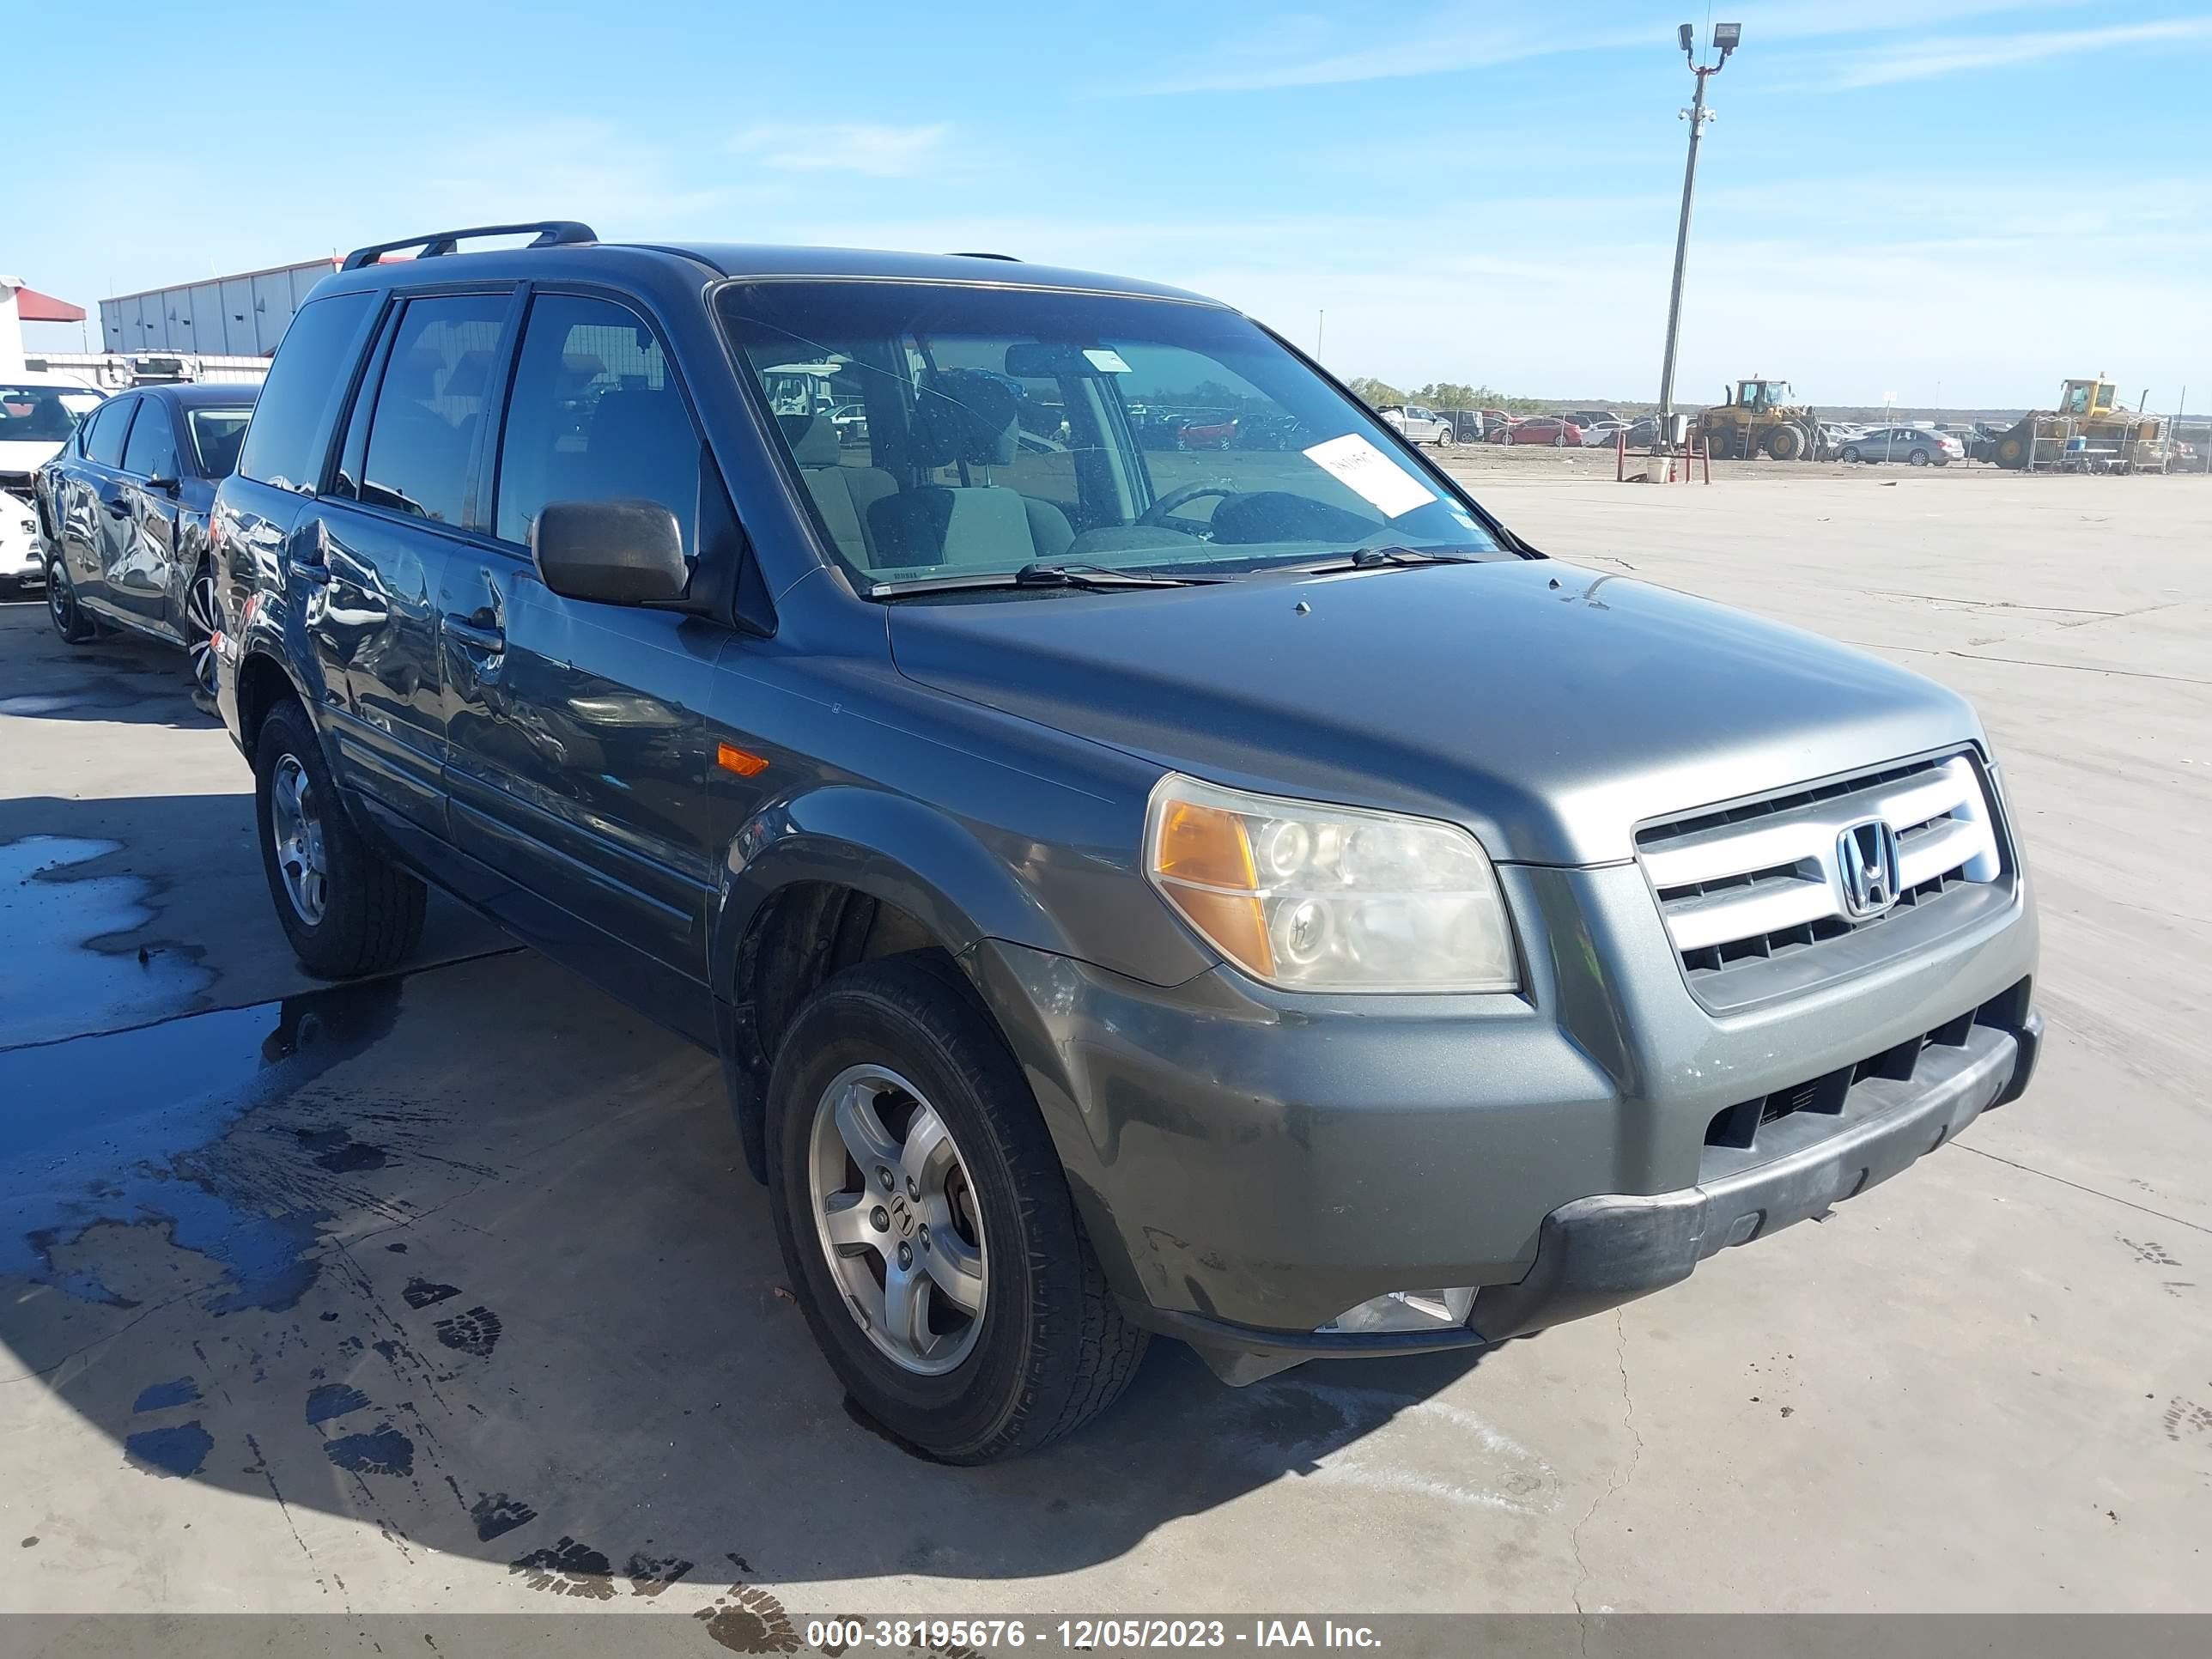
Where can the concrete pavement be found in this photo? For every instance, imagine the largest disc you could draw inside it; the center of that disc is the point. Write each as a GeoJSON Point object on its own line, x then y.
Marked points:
{"type": "Point", "coordinates": [449, 1293]}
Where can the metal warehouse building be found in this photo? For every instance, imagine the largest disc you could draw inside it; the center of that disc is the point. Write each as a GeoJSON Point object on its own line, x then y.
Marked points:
{"type": "Point", "coordinates": [242, 316]}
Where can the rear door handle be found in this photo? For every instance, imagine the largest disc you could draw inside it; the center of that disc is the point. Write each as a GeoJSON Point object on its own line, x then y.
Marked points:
{"type": "Point", "coordinates": [474, 635]}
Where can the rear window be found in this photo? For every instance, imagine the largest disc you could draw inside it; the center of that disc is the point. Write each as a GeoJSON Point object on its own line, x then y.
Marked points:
{"type": "Point", "coordinates": [216, 435]}
{"type": "Point", "coordinates": [307, 377]}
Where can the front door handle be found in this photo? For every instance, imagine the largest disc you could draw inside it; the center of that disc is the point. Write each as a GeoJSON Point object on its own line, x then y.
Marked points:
{"type": "Point", "coordinates": [118, 507]}
{"type": "Point", "coordinates": [474, 635]}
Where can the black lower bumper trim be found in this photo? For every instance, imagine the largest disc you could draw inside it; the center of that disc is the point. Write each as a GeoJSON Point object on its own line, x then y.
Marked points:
{"type": "Point", "coordinates": [1597, 1253]}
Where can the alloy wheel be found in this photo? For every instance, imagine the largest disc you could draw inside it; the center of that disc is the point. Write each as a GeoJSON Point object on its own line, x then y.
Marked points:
{"type": "Point", "coordinates": [200, 622]}
{"type": "Point", "coordinates": [296, 829]}
{"type": "Point", "coordinates": [897, 1219]}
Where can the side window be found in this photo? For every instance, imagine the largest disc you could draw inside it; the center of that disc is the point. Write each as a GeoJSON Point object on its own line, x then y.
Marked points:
{"type": "Point", "coordinates": [313, 365]}
{"type": "Point", "coordinates": [152, 451]}
{"type": "Point", "coordinates": [104, 443]}
{"type": "Point", "coordinates": [594, 416]}
{"type": "Point", "coordinates": [430, 405]}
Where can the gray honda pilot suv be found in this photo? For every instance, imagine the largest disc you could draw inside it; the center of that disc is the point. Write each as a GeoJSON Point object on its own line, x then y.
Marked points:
{"type": "Point", "coordinates": [1243, 893]}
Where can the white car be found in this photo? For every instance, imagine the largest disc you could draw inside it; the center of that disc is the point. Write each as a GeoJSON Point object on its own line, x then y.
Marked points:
{"type": "Point", "coordinates": [1600, 434]}
{"type": "Point", "coordinates": [22, 553]}
{"type": "Point", "coordinates": [39, 410]}
{"type": "Point", "coordinates": [1417, 425]}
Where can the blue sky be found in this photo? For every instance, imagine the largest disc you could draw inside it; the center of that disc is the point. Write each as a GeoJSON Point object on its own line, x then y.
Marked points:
{"type": "Point", "coordinates": [1953, 198]}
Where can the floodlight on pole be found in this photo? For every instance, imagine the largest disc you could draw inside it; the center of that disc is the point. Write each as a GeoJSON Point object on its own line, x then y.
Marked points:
{"type": "Point", "coordinates": [1726, 37]}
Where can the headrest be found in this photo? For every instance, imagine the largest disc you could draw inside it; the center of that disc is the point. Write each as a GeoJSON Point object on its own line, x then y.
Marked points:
{"type": "Point", "coordinates": [812, 437]}
{"type": "Point", "coordinates": [966, 415]}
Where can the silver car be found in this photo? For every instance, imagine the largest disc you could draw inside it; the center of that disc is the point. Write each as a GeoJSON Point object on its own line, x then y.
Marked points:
{"type": "Point", "coordinates": [1916, 446]}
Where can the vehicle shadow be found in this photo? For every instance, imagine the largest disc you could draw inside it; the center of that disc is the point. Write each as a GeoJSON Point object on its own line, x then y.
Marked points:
{"type": "Point", "coordinates": [470, 1256]}
{"type": "Point", "coordinates": [118, 678]}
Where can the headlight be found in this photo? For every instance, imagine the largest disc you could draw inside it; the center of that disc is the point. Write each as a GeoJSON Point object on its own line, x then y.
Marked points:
{"type": "Point", "coordinates": [1312, 898]}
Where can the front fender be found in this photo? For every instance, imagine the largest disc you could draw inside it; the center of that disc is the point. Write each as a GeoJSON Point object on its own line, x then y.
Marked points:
{"type": "Point", "coordinates": [961, 879]}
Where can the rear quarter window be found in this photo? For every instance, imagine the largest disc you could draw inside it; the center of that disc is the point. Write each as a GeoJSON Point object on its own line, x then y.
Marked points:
{"type": "Point", "coordinates": [283, 445]}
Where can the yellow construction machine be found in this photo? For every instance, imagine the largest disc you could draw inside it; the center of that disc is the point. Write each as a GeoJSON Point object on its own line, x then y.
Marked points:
{"type": "Point", "coordinates": [1758, 418]}
{"type": "Point", "coordinates": [2087, 430]}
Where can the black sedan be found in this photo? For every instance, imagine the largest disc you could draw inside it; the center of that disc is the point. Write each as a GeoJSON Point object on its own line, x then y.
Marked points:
{"type": "Point", "coordinates": [123, 509]}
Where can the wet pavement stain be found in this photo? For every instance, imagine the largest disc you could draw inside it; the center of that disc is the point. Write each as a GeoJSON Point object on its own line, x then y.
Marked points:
{"type": "Point", "coordinates": [174, 1453]}
{"type": "Point", "coordinates": [50, 920]}
{"type": "Point", "coordinates": [182, 1392]}
{"type": "Point", "coordinates": [337, 1150]}
{"type": "Point", "coordinates": [382, 1450]}
{"type": "Point", "coordinates": [567, 1568]}
{"type": "Point", "coordinates": [475, 1332]}
{"type": "Point", "coordinates": [495, 1513]}
{"type": "Point", "coordinates": [334, 1400]}
{"type": "Point", "coordinates": [650, 1575]}
{"type": "Point", "coordinates": [750, 1620]}
{"type": "Point", "coordinates": [420, 1293]}
{"type": "Point", "coordinates": [127, 1129]}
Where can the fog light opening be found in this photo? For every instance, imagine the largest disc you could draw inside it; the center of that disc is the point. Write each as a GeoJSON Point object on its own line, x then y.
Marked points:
{"type": "Point", "coordinates": [1406, 1311]}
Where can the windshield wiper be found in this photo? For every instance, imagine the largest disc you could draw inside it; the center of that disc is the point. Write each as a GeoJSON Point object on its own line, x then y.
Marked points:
{"type": "Point", "coordinates": [1094, 578]}
{"type": "Point", "coordinates": [1370, 558]}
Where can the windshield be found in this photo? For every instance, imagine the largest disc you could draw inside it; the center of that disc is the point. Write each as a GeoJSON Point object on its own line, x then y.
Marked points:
{"type": "Point", "coordinates": [1005, 427]}
{"type": "Point", "coordinates": [43, 414]}
{"type": "Point", "coordinates": [217, 434]}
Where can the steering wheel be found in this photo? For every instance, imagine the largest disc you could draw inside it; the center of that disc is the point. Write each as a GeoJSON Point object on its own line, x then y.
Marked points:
{"type": "Point", "coordinates": [1158, 513]}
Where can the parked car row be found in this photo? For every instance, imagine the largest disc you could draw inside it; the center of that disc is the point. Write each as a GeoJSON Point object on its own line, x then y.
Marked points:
{"type": "Point", "coordinates": [122, 513]}
{"type": "Point", "coordinates": [1096, 943]}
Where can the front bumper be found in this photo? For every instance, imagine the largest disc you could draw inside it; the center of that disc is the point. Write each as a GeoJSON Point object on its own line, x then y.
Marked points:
{"type": "Point", "coordinates": [1251, 1165]}
{"type": "Point", "coordinates": [1596, 1253]}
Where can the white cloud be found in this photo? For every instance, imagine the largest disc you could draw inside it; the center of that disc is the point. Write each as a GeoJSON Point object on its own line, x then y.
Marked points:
{"type": "Point", "coordinates": [877, 151]}
{"type": "Point", "coordinates": [1924, 60]}
{"type": "Point", "coordinates": [1302, 51]}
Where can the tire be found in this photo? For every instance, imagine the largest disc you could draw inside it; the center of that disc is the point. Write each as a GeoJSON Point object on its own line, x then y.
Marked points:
{"type": "Point", "coordinates": [1851, 453]}
{"type": "Point", "coordinates": [1919, 458]}
{"type": "Point", "coordinates": [1045, 1346]}
{"type": "Point", "coordinates": [71, 623]}
{"type": "Point", "coordinates": [1443, 437]}
{"type": "Point", "coordinates": [1785, 443]}
{"type": "Point", "coordinates": [366, 912]}
{"type": "Point", "coordinates": [203, 613]}
{"type": "Point", "coordinates": [2010, 452]}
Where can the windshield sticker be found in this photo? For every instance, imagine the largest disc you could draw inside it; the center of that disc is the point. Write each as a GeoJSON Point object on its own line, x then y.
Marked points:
{"type": "Point", "coordinates": [1361, 467]}
{"type": "Point", "coordinates": [1107, 361]}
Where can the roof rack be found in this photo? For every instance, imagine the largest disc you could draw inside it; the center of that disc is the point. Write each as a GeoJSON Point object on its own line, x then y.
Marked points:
{"type": "Point", "coordinates": [970, 254]}
{"type": "Point", "coordinates": [551, 233]}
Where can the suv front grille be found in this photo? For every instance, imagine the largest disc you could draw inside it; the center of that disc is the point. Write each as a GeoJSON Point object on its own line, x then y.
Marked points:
{"type": "Point", "coordinates": [1764, 880]}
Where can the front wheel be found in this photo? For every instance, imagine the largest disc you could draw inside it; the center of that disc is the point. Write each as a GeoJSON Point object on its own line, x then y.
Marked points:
{"type": "Point", "coordinates": [347, 909]}
{"type": "Point", "coordinates": [202, 618]}
{"type": "Point", "coordinates": [1851, 454]}
{"type": "Point", "coordinates": [927, 1224]}
{"type": "Point", "coordinates": [1443, 438]}
{"type": "Point", "coordinates": [62, 610]}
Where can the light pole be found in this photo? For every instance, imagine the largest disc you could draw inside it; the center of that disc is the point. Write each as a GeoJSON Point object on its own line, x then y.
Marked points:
{"type": "Point", "coordinates": [1726, 37]}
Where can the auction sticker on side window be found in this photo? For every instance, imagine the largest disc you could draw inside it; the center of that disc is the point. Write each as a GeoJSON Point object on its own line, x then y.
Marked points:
{"type": "Point", "coordinates": [1361, 466]}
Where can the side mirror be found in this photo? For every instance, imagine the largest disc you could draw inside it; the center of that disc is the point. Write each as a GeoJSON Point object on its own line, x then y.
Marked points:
{"type": "Point", "coordinates": [611, 552]}
{"type": "Point", "coordinates": [166, 484]}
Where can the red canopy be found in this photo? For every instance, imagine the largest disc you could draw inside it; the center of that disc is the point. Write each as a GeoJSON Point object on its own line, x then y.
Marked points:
{"type": "Point", "coordinates": [36, 308]}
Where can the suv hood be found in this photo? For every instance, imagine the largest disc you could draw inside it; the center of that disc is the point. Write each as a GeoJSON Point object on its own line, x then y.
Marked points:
{"type": "Point", "coordinates": [1547, 708]}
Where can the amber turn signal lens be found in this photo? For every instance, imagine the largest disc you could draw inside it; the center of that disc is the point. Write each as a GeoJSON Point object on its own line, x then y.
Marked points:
{"type": "Point", "coordinates": [742, 762]}
{"type": "Point", "coordinates": [1206, 844]}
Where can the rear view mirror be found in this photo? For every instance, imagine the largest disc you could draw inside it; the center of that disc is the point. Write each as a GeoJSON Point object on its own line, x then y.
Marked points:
{"type": "Point", "coordinates": [611, 552]}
